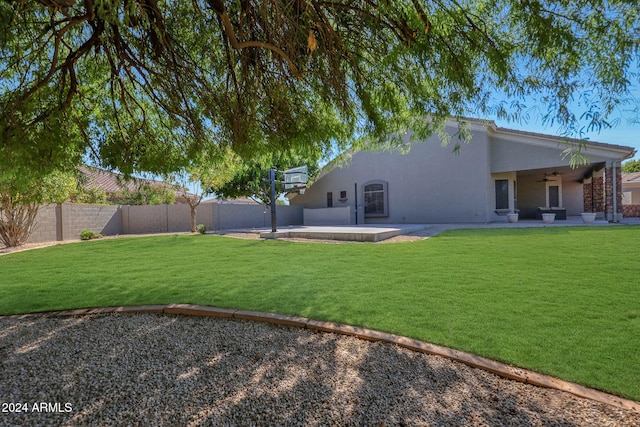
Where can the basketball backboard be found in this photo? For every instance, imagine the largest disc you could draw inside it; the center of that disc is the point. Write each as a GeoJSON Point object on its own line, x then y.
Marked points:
{"type": "Point", "coordinates": [296, 178]}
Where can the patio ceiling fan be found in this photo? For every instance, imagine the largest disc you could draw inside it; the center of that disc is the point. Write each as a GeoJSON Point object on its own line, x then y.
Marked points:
{"type": "Point", "coordinates": [547, 175]}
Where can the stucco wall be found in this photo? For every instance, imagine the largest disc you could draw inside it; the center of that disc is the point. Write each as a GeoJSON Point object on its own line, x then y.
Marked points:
{"type": "Point", "coordinates": [572, 197]}
{"type": "Point", "coordinates": [420, 189]}
{"type": "Point", "coordinates": [513, 152]}
{"type": "Point", "coordinates": [630, 196]}
{"type": "Point", "coordinates": [511, 178]}
{"type": "Point", "coordinates": [508, 155]}
{"type": "Point", "coordinates": [429, 184]}
{"type": "Point", "coordinates": [288, 215]}
{"type": "Point", "coordinates": [328, 216]}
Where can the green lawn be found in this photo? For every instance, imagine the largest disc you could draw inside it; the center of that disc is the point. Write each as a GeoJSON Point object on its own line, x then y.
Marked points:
{"type": "Point", "coordinates": [562, 301]}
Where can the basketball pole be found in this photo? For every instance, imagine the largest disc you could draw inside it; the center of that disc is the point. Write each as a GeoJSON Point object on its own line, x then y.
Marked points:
{"type": "Point", "coordinates": [272, 178]}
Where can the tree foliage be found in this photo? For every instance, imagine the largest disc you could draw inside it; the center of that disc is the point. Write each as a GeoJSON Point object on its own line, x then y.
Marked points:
{"type": "Point", "coordinates": [89, 195]}
{"type": "Point", "coordinates": [210, 171]}
{"type": "Point", "coordinates": [631, 166]}
{"type": "Point", "coordinates": [250, 178]}
{"type": "Point", "coordinates": [149, 85]}
{"type": "Point", "coordinates": [21, 198]}
{"type": "Point", "coordinates": [145, 194]}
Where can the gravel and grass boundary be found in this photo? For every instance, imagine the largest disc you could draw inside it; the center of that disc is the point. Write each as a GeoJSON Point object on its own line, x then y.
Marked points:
{"type": "Point", "coordinates": [558, 402]}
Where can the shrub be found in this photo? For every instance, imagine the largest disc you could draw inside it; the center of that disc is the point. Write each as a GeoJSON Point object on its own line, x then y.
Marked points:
{"type": "Point", "coordinates": [201, 228]}
{"type": "Point", "coordinates": [89, 235]}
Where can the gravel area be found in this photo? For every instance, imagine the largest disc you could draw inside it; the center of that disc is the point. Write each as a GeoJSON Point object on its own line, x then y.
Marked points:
{"type": "Point", "coordinates": [148, 369]}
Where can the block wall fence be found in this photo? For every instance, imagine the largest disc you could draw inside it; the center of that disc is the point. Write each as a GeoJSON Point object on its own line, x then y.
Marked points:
{"type": "Point", "coordinates": [66, 221]}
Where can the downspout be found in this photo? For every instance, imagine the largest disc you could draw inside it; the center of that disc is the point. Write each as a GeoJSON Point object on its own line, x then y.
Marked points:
{"type": "Point", "coordinates": [593, 204]}
{"type": "Point", "coordinates": [615, 192]}
{"type": "Point", "coordinates": [355, 192]}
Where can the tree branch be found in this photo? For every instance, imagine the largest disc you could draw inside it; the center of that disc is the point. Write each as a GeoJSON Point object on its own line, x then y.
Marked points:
{"type": "Point", "coordinates": [54, 62]}
{"type": "Point", "coordinates": [422, 15]}
{"type": "Point", "coordinates": [218, 6]}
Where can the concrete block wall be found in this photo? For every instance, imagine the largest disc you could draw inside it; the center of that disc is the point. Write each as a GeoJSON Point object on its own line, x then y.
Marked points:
{"type": "Point", "coordinates": [145, 219]}
{"type": "Point", "coordinates": [234, 216]}
{"type": "Point", "coordinates": [66, 221]}
{"type": "Point", "coordinates": [226, 217]}
{"type": "Point", "coordinates": [74, 218]}
{"type": "Point", "coordinates": [179, 218]}
{"type": "Point", "coordinates": [46, 227]}
{"type": "Point", "coordinates": [161, 218]}
{"type": "Point", "coordinates": [204, 215]}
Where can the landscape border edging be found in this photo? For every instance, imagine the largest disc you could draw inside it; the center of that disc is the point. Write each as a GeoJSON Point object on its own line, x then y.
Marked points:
{"type": "Point", "coordinates": [492, 366]}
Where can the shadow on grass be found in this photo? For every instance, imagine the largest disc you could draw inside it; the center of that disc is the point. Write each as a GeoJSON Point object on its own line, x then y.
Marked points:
{"type": "Point", "coordinates": [170, 370]}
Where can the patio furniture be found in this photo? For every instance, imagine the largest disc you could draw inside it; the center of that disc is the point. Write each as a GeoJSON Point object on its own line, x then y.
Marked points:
{"type": "Point", "coordinates": [561, 213]}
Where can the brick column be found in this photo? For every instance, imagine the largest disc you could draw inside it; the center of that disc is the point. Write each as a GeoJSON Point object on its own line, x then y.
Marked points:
{"type": "Point", "coordinates": [598, 194]}
{"type": "Point", "coordinates": [587, 195]}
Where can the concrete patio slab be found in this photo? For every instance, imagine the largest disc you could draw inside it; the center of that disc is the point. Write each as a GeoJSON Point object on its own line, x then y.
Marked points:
{"type": "Point", "coordinates": [355, 233]}
{"type": "Point", "coordinates": [380, 232]}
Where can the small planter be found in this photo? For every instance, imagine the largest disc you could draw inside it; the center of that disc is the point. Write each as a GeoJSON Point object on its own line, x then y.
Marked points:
{"type": "Point", "coordinates": [512, 217]}
{"type": "Point", "coordinates": [548, 218]}
{"type": "Point", "coordinates": [588, 217]}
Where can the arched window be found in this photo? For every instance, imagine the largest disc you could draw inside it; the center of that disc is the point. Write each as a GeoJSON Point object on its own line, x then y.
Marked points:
{"type": "Point", "coordinates": [375, 199]}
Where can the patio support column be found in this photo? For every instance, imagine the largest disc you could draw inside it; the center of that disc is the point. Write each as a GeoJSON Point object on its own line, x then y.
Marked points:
{"type": "Point", "coordinates": [587, 195]}
{"type": "Point", "coordinates": [613, 191]}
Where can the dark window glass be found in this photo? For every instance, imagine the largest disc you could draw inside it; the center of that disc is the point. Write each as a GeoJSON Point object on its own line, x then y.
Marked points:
{"type": "Point", "coordinates": [554, 196]}
{"type": "Point", "coordinates": [329, 199]}
{"type": "Point", "coordinates": [374, 200]}
{"type": "Point", "coordinates": [343, 194]}
{"type": "Point", "coordinates": [502, 194]}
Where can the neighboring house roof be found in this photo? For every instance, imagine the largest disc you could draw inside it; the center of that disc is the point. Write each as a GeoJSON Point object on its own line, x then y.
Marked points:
{"type": "Point", "coordinates": [111, 182]}
{"type": "Point", "coordinates": [631, 179]}
{"type": "Point", "coordinates": [238, 201]}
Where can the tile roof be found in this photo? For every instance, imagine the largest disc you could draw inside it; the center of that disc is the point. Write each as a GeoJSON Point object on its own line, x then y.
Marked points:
{"type": "Point", "coordinates": [112, 182]}
{"type": "Point", "coordinates": [631, 177]}
{"type": "Point", "coordinates": [239, 201]}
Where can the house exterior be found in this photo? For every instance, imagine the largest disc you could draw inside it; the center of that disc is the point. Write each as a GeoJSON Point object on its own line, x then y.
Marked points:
{"type": "Point", "coordinates": [236, 201]}
{"type": "Point", "coordinates": [498, 172]}
{"type": "Point", "coordinates": [631, 194]}
{"type": "Point", "coordinates": [113, 184]}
